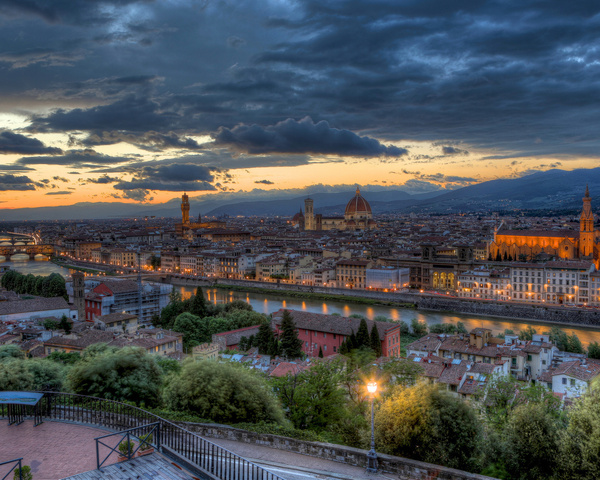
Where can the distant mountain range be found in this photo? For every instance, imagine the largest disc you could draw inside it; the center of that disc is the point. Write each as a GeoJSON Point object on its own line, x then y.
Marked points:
{"type": "Point", "coordinates": [553, 189]}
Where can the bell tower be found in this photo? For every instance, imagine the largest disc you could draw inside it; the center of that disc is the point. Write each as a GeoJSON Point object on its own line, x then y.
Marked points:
{"type": "Point", "coordinates": [309, 215]}
{"type": "Point", "coordinates": [586, 227]}
{"type": "Point", "coordinates": [185, 209]}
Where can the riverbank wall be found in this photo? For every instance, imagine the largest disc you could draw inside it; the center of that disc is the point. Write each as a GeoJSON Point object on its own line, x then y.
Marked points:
{"type": "Point", "coordinates": [586, 317]}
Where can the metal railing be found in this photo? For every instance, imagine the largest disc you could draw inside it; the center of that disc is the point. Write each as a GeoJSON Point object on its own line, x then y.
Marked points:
{"type": "Point", "coordinates": [149, 431]}
{"type": "Point", "coordinates": [177, 443]}
{"type": "Point", "coordinates": [17, 465]}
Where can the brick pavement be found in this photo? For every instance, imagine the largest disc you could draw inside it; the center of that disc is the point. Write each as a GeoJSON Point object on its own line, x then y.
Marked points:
{"type": "Point", "coordinates": [53, 450]}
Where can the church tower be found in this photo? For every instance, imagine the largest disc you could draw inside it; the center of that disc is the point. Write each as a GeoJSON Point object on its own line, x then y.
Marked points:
{"type": "Point", "coordinates": [586, 227]}
{"type": "Point", "coordinates": [309, 215]}
{"type": "Point", "coordinates": [185, 209]}
{"type": "Point", "coordinates": [79, 295]}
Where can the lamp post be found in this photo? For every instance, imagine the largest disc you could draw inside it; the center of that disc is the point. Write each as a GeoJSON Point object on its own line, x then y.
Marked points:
{"type": "Point", "coordinates": [372, 455]}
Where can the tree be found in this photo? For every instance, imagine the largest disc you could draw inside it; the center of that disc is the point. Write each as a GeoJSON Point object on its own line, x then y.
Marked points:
{"type": "Point", "coordinates": [528, 333]}
{"type": "Point", "coordinates": [198, 304]}
{"type": "Point", "coordinates": [594, 350]}
{"type": "Point", "coordinates": [50, 324]}
{"type": "Point", "coordinates": [8, 352]}
{"type": "Point", "coordinates": [64, 358]}
{"type": "Point", "coordinates": [532, 440]}
{"type": "Point", "coordinates": [460, 328]}
{"type": "Point", "coordinates": [427, 424]}
{"type": "Point", "coordinates": [46, 376]}
{"type": "Point", "coordinates": [447, 328]}
{"type": "Point", "coordinates": [129, 374]}
{"type": "Point", "coordinates": [65, 324]}
{"type": "Point", "coordinates": [14, 375]}
{"type": "Point", "coordinates": [291, 345]}
{"type": "Point", "coordinates": [222, 392]}
{"type": "Point", "coordinates": [581, 440]}
{"type": "Point", "coordinates": [313, 397]}
{"type": "Point", "coordinates": [363, 339]}
{"type": "Point", "coordinates": [375, 341]}
{"type": "Point", "coordinates": [574, 344]}
{"type": "Point", "coordinates": [154, 262]}
{"type": "Point", "coordinates": [194, 330]}
{"type": "Point", "coordinates": [320, 352]}
{"type": "Point", "coordinates": [264, 339]}
{"type": "Point", "coordinates": [419, 328]}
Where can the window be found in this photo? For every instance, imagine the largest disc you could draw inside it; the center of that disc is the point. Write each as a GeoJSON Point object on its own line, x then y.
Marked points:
{"type": "Point", "coordinates": [543, 362]}
{"type": "Point", "coordinates": [306, 344]}
{"type": "Point", "coordinates": [572, 382]}
{"type": "Point", "coordinates": [564, 381]}
{"type": "Point", "coordinates": [529, 358]}
{"type": "Point", "coordinates": [334, 349]}
{"type": "Point", "coordinates": [324, 334]}
{"type": "Point", "coordinates": [334, 336]}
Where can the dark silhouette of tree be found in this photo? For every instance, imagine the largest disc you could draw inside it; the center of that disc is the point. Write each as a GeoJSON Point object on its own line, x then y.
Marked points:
{"type": "Point", "coordinates": [291, 345]}
{"type": "Point", "coordinates": [363, 339]}
{"type": "Point", "coordinates": [375, 341]}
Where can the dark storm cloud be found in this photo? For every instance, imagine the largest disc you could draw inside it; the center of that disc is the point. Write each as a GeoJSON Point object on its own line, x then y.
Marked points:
{"type": "Point", "coordinates": [13, 182]}
{"type": "Point", "coordinates": [104, 179]}
{"type": "Point", "coordinates": [15, 168]}
{"type": "Point", "coordinates": [74, 158]}
{"type": "Point", "coordinates": [59, 193]}
{"type": "Point", "coordinates": [152, 141]}
{"type": "Point", "coordinates": [304, 136]}
{"type": "Point", "coordinates": [520, 78]}
{"type": "Point", "coordinates": [11, 142]}
{"type": "Point", "coordinates": [447, 150]}
{"type": "Point", "coordinates": [266, 182]}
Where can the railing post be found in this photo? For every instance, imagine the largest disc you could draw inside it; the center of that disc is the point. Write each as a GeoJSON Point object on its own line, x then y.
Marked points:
{"type": "Point", "coordinates": [20, 470]}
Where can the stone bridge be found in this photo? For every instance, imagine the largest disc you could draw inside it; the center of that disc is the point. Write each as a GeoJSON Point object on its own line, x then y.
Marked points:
{"type": "Point", "coordinates": [31, 250]}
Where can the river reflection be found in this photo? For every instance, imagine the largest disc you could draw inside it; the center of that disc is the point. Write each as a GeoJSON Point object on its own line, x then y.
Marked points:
{"type": "Point", "coordinates": [271, 303]}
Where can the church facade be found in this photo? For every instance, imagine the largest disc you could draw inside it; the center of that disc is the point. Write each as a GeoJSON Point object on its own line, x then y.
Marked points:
{"type": "Point", "coordinates": [563, 244]}
{"type": "Point", "coordinates": [357, 216]}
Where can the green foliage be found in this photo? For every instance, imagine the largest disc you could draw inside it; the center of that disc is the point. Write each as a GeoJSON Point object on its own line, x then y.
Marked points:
{"type": "Point", "coordinates": [10, 352]}
{"type": "Point", "coordinates": [23, 473]}
{"type": "Point", "coordinates": [404, 330]}
{"type": "Point", "coordinates": [460, 328]}
{"type": "Point", "coordinates": [46, 376]}
{"type": "Point", "coordinates": [448, 328]}
{"type": "Point", "coordinates": [65, 324]}
{"type": "Point", "coordinates": [528, 333]}
{"type": "Point", "coordinates": [146, 441]}
{"type": "Point", "coordinates": [128, 374]}
{"type": "Point", "coordinates": [566, 342]}
{"type": "Point", "coordinates": [383, 318]}
{"type": "Point", "coordinates": [126, 448]}
{"type": "Point", "coordinates": [153, 262]}
{"type": "Point", "coordinates": [51, 286]}
{"type": "Point", "coordinates": [64, 358]}
{"type": "Point", "coordinates": [265, 339]}
{"type": "Point", "coordinates": [532, 441]}
{"type": "Point", "coordinates": [194, 330]}
{"type": "Point", "coordinates": [581, 439]}
{"type": "Point", "coordinates": [363, 339]}
{"type": "Point", "coordinates": [223, 392]}
{"type": "Point", "coordinates": [399, 371]}
{"type": "Point", "coordinates": [284, 431]}
{"type": "Point", "coordinates": [594, 350]}
{"type": "Point", "coordinates": [50, 324]}
{"type": "Point", "coordinates": [168, 365]}
{"type": "Point", "coordinates": [419, 328]}
{"type": "Point", "coordinates": [313, 397]}
{"type": "Point", "coordinates": [291, 345]}
{"type": "Point", "coordinates": [427, 424]}
{"type": "Point", "coordinates": [376, 342]}
{"type": "Point", "coordinates": [14, 375]}
{"type": "Point", "coordinates": [198, 304]}
{"type": "Point", "coordinates": [507, 331]}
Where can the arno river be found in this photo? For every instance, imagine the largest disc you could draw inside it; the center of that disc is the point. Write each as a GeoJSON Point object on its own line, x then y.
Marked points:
{"type": "Point", "coordinates": [270, 303]}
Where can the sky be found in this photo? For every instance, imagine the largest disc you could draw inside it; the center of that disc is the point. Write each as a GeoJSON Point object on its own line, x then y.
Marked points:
{"type": "Point", "coordinates": [139, 101]}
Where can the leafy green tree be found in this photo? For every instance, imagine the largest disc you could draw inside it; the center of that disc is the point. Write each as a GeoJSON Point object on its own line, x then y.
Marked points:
{"type": "Point", "coordinates": [594, 350]}
{"type": "Point", "coordinates": [194, 329]}
{"type": "Point", "coordinates": [532, 442]}
{"type": "Point", "coordinates": [427, 424]}
{"type": "Point", "coordinates": [375, 341]}
{"type": "Point", "coordinates": [168, 365]}
{"type": "Point", "coordinates": [222, 392]}
{"type": "Point", "coordinates": [129, 374]}
{"type": "Point", "coordinates": [581, 439]}
{"type": "Point", "coordinates": [8, 352]}
{"type": "Point", "coordinates": [65, 358]}
{"type": "Point", "coordinates": [399, 371]}
{"type": "Point", "coordinates": [460, 328]}
{"type": "Point", "coordinates": [50, 324]}
{"type": "Point", "coordinates": [291, 345]}
{"type": "Point", "coordinates": [404, 329]}
{"type": "Point", "coordinates": [14, 375]}
{"type": "Point", "coordinates": [154, 262]}
{"type": "Point", "coordinates": [238, 305]}
{"type": "Point", "coordinates": [363, 339]}
{"type": "Point", "coordinates": [574, 345]}
{"type": "Point", "coordinates": [47, 376]}
{"type": "Point", "coordinates": [447, 328]}
{"type": "Point", "coordinates": [419, 328]}
{"type": "Point", "coordinates": [528, 333]}
{"type": "Point", "coordinates": [168, 314]}
{"type": "Point", "coordinates": [313, 397]}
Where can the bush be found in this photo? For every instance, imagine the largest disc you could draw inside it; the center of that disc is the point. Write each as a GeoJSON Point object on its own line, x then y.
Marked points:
{"type": "Point", "coordinates": [23, 473]}
{"type": "Point", "coordinates": [223, 392]}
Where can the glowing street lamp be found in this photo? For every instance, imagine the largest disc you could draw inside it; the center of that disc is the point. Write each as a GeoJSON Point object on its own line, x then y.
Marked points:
{"type": "Point", "coordinates": [372, 455]}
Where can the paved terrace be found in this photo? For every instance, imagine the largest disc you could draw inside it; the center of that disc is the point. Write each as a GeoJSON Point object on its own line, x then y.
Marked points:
{"type": "Point", "coordinates": [57, 450]}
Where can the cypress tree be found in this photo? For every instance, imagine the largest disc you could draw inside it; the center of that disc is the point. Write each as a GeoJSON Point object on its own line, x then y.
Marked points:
{"type": "Point", "coordinates": [320, 352]}
{"type": "Point", "coordinates": [291, 345]}
{"type": "Point", "coordinates": [352, 343]}
{"type": "Point", "coordinates": [343, 348]}
{"type": "Point", "coordinates": [243, 345]}
{"type": "Point", "coordinates": [198, 304]}
{"type": "Point", "coordinates": [264, 339]}
{"type": "Point", "coordinates": [375, 341]}
{"type": "Point", "coordinates": [363, 339]}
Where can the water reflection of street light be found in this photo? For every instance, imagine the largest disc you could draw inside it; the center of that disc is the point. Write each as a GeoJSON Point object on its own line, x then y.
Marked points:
{"type": "Point", "coordinates": [372, 456]}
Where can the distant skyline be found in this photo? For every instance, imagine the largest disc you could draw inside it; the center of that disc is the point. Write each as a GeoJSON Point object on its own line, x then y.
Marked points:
{"type": "Point", "coordinates": [138, 101]}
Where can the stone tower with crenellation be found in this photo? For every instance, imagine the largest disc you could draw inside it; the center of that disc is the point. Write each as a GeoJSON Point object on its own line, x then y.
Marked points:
{"type": "Point", "coordinates": [586, 227]}
{"type": "Point", "coordinates": [185, 209]}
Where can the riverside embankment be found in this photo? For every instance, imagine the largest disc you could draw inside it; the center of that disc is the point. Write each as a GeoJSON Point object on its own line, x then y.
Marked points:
{"type": "Point", "coordinates": [546, 314]}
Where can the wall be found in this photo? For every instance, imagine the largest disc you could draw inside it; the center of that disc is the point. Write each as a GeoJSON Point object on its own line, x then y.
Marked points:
{"type": "Point", "coordinates": [405, 468]}
{"type": "Point", "coordinates": [544, 313]}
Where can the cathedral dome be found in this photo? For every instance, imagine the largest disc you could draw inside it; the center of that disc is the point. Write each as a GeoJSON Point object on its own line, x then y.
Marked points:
{"type": "Point", "coordinates": [358, 205]}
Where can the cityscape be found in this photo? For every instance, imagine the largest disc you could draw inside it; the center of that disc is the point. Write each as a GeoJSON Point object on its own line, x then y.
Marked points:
{"type": "Point", "coordinates": [287, 240]}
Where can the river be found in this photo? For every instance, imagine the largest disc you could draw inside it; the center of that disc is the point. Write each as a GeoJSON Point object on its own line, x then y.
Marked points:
{"type": "Point", "coordinates": [267, 304]}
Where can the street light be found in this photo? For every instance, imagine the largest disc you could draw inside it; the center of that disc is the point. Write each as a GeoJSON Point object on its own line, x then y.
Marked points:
{"type": "Point", "coordinates": [372, 456]}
